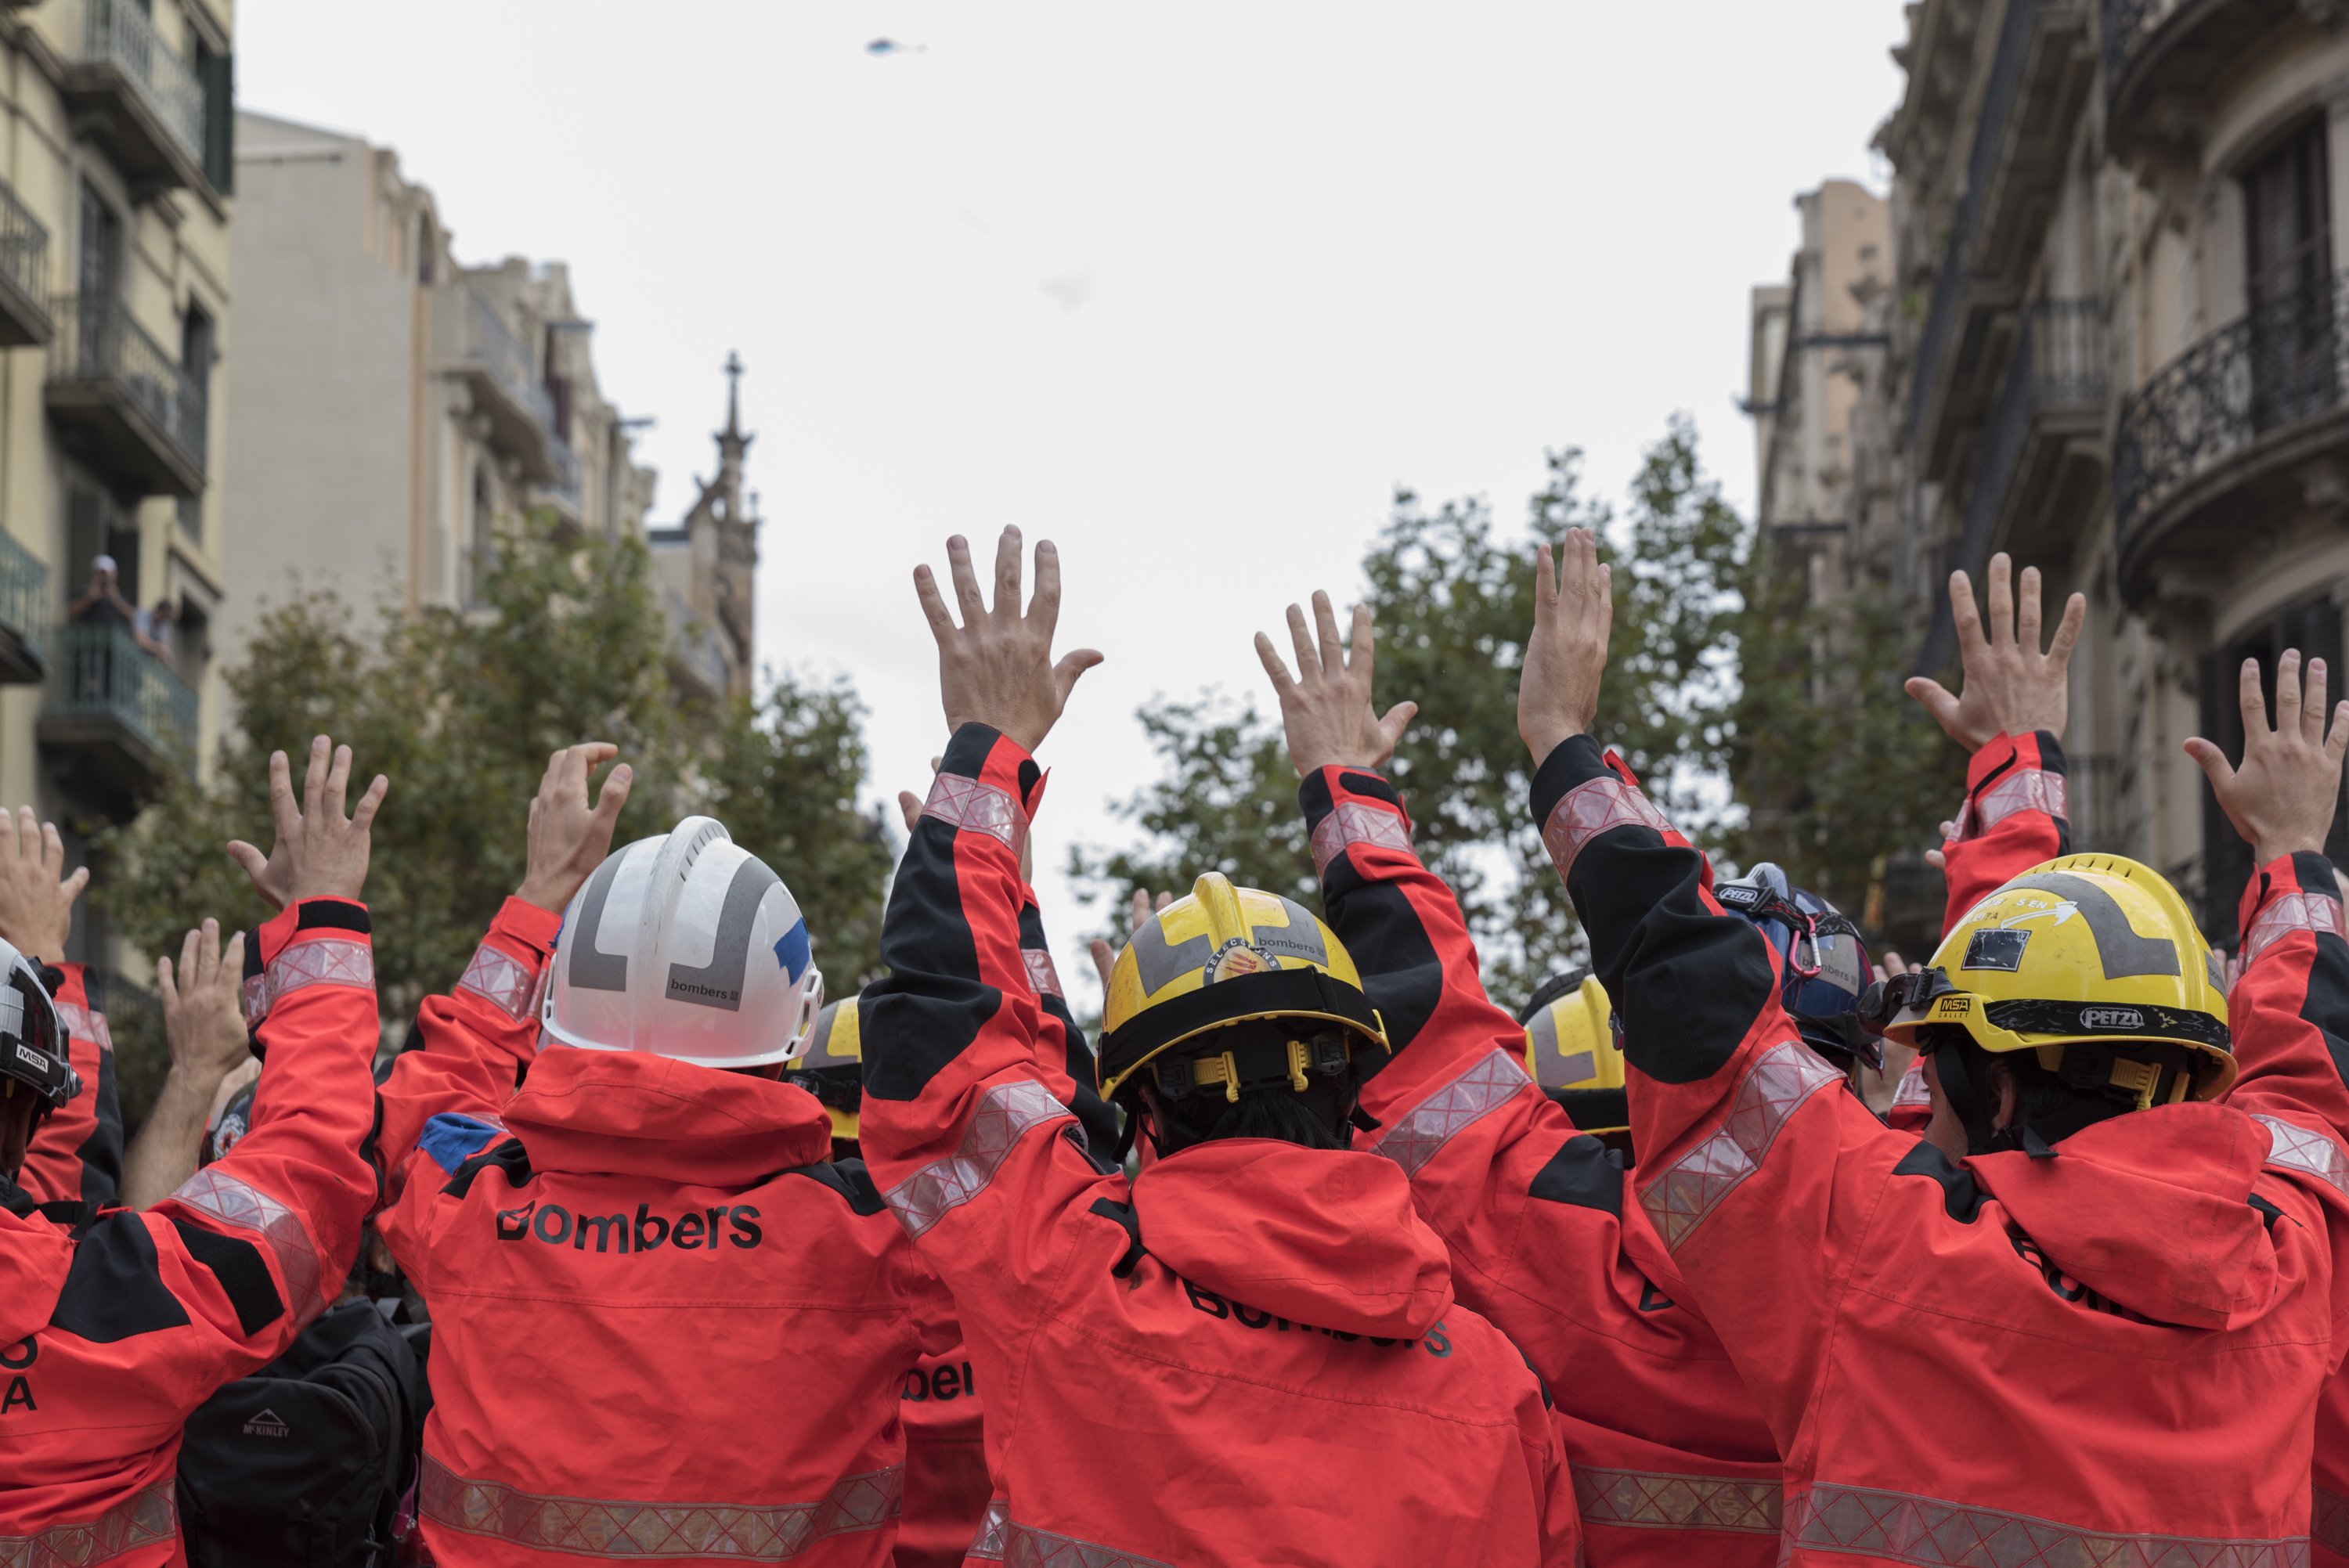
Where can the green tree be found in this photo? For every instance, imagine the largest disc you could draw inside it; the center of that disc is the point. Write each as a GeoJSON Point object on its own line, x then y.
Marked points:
{"type": "Point", "coordinates": [461, 709]}
{"type": "Point", "coordinates": [1454, 598]}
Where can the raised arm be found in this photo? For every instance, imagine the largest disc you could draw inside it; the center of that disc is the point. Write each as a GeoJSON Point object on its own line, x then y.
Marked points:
{"type": "Point", "coordinates": [966, 1122]}
{"type": "Point", "coordinates": [2289, 1012]}
{"type": "Point", "coordinates": [76, 1155]}
{"type": "Point", "coordinates": [2010, 717]}
{"type": "Point", "coordinates": [204, 1028]}
{"type": "Point", "coordinates": [276, 1221]}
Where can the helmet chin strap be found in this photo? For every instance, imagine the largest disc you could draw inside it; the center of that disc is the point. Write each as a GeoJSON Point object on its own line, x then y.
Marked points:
{"type": "Point", "coordinates": [1972, 1095]}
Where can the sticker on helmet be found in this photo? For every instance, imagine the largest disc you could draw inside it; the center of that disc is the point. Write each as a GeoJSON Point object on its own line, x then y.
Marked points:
{"type": "Point", "coordinates": [1236, 958]}
{"type": "Point", "coordinates": [1996, 948]}
{"type": "Point", "coordinates": [2111, 1018]}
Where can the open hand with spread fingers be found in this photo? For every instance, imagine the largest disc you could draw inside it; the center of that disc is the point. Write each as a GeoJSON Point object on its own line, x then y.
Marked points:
{"type": "Point", "coordinates": [203, 1006]}
{"type": "Point", "coordinates": [1137, 915]}
{"type": "Point", "coordinates": [319, 852]}
{"type": "Point", "coordinates": [2284, 796]}
{"type": "Point", "coordinates": [996, 666]}
{"type": "Point", "coordinates": [2012, 687]}
{"type": "Point", "coordinates": [1326, 711]}
{"type": "Point", "coordinates": [569, 834]}
{"type": "Point", "coordinates": [37, 896]}
{"type": "Point", "coordinates": [1565, 657]}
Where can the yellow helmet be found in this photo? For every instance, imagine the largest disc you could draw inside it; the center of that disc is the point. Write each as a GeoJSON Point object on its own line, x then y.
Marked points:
{"type": "Point", "coordinates": [1570, 1052]}
{"type": "Point", "coordinates": [833, 1070]}
{"type": "Point", "coordinates": [1224, 957]}
{"type": "Point", "coordinates": [2092, 958]}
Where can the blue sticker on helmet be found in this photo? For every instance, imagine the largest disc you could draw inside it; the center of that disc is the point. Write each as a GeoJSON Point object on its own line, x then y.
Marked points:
{"type": "Point", "coordinates": [791, 950]}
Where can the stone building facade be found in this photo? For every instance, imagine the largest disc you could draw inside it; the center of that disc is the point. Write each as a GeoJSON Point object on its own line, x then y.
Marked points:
{"type": "Point", "coordinates": [117, 176]}
{"type": "Point", "coordinates": [2119, 350]}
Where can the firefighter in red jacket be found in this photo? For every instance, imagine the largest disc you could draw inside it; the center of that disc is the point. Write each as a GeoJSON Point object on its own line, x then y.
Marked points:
{"type": "Point", "coordinates": [76, 1158]}
{"type": "Point", "coordinates": [1672, 1461]}
{"type": "Point", "coordinates": [667, 1323]}
{"type": "Point", "coordinates": [1249, 1355]}
{"type": "Point", "coordinates": [113, 1330]}
{"type": "Point", "coordinates": [2096, 1306]}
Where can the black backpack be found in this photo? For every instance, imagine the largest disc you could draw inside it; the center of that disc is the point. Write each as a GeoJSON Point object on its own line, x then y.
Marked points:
{"type": "Point", "coordinates": [302, 1464]}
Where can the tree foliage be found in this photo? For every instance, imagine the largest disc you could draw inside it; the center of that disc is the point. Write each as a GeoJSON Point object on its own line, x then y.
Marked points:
{"type": "Point", "coordinates": [461, 709]}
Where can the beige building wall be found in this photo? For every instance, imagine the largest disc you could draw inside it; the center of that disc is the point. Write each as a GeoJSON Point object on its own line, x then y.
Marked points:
{"type": "Point", "coordinates": [115, 267]}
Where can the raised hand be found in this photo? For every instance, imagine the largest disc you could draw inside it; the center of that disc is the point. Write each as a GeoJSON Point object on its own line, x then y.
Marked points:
{"type": "Point", "coordinates": [569, 834]}
{"type": "Point", "coordinates": [2282, 798]}
{"type": "Point", "coordinates": [2011, 687]}
{"type": "Point", "coordinates": [1565, 657]}
{"type": "Point", "coordinates": [995, 667]}
{"type": "Point", "coordinates": [1326, 710]}
{"type": "Point", "coordinates": [319, 852]}
{"type": "Point", "coordinates": [36, 898]}
{"type": "Point", "coordinates": [1104, 954]}
{"type": "Point", "coordinates": [203, 1006]}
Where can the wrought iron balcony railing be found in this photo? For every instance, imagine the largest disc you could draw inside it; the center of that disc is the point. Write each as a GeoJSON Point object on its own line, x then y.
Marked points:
{"type": "Point", "coordinates": [2284, 363]}
{"type": "Point", "coordinates": [567, 488]}
{"type": "Point", "coordinates": [24, 273]}
{"type": "Point", "coordinates": [101, 673]}
{"type": "Point", "coordinates": [23, 610]}
{"type": "Point", "coordinates": [119, 33]}
{"type": "Point", "coordinates": [496, 348]}
{"type": "Point", "coordinates": [100, 348]}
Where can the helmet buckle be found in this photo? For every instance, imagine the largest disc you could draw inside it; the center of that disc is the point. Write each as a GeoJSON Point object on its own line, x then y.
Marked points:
{"type": "Point", "coordinates": [2137, 1079]}
{"type": "Point", "coordinates": [1231, 1076]}
{"type": "Point", "coordinates": [1300, 1059]}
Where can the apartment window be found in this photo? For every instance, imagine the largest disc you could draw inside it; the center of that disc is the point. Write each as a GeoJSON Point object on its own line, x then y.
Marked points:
{"type": "Point", "coordinates": [198, 338]}
{"type": "Point", "coordinates": [96, 525]}
{"type": "Point", "coordinates": [2288, 235]}
{"type": "Point", "coordinates": [558, 386]}
{"type": "Point", "coordinates": [484, 539]}
{"type": "Point", "coordinates": [2313, 626]}
{"type": "Point", "coordinates": [217, 73]}
{"type": "Point", "coordinates": [99, 265]}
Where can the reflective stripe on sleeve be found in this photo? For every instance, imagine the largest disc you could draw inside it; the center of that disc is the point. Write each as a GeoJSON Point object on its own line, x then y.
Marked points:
{"type": "Point", "coordinates": [1691, 1187]}
{"type": "Point", "coordinates": [83, 1023]}
{"type": "Point", "coordinates": [148, 1516]}
{"type": "Point", "coordinates": [1653, 1500]}
{"type": "Point", "coordinates": [497, 977]}
{"type": "Point", "coordinates": [1351, 822]}
{"type": "Point", "coordinates": [1004, 1113]}
{"type": "Point", "coordinates": [1421, 1133]}
{"type": "Point", "coordinates": [321, 961]}
{"type": "Point", "coordinates": [2296, 1148]}
{"type": "Point", "coordinates": [620, 1530]}
{"type": "Point", "coordinates": [2030, 789]}
{"type": "Point", "coordinates": [1043, 976]}
{"type": "Point", "coordinates": [970, 806]}
{"type": "Point", "coordinates": [1591, 809]}
{"type": "Point", "coordinates": [1899, 1527]}
{"type": "Point", "coordinates": [1914, 1093]}
{"type": "Point", "coordinates": [2294, 912]}
{"type": "Point", "coordinates": [215, 1193]}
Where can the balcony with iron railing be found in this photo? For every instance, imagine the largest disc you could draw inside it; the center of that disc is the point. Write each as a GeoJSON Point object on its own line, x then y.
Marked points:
{"type": "Point", "coordinates": [490, 357]}
{"type": "Point", "coordinates": [114, 719]}
{"type": "Point", "coordinates": [2160, 55]}
{"type": "Point", "coordinates": [2041, 461]}
{"type": "Point", "coordinates": [566, 492]}
{"type": "Point", "coordinates": [2227, 432]}
{"type": "Point", "coordinates": [126, 88]}
{"type": "Point", "coordinates": [123, 401]}
{"type": "Point", "coordinates": [23, 274]}
{"type": "Point", "coordinates": [2039, 80]}
{"type": "Point", "coordinates": [24, 613]}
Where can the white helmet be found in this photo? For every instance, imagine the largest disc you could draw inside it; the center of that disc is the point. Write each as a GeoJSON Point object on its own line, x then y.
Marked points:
{"type": "Point", "coordinates": [685, 946]}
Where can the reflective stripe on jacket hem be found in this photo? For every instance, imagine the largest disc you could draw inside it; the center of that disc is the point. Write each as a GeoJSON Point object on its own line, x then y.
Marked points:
{"type": "Point", "coordinates": [619, 1529]}
{"type": "Point", "coordinates": [1932, 1533]}
{"type": "Point", "coordinates": [1421, 1133]}
{"type": "Point", "coordinates": [2330, 1523]}
{"type": "Point", "coordinates": [1004, 1113]}
{"type": "Point", "coordinates": [1693, 1186]}
{"type": "Point", "coordinates": [1021, 1546]}
{"type": "Point", "coordinates": [1652, 1500]}
{"type": "Point", "coordinates": [145, 1518]}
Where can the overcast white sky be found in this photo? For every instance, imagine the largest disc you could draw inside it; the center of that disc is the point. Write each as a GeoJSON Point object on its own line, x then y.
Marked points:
{"type": "Point", "coordinates": [1188, 288]}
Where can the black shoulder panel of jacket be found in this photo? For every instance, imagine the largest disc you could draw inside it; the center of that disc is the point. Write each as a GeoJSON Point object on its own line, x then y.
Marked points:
{"type": "Point", "coordinates": [510, 1157]}
{"type": "Point", "coordinates": [2325, 1006]}
{"type": "Point", "coordinates": [100, 1153]}
{"type": "Point", "coordinates": [114, 1287]}
{"type": "Point", "coordinates": [1585, 1173]}
{"type": "Point", "coordinates": [243, 1276]}
{"type": "Point", "coordinates": [849, 1178]}
{"type": "Point", "coordinates": [1961, 1195]}
{"type": "Point", "coordinates": [1687, 979]}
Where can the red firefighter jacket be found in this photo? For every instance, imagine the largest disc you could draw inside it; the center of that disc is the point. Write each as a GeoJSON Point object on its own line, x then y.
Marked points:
{"type": "Point", "coordinates": [76, 1155]}
{"type": "Point", "coordinates": [1249, 1356]}
{"type": "Point", "coordinates": [1673, 1463]}
{"type": "Point", "coordinates": [2110, 1355]}
{"type": "Point", "coordinates": [112, 1331]}
{"type": "Point", "coordinates": [665, 1323]}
